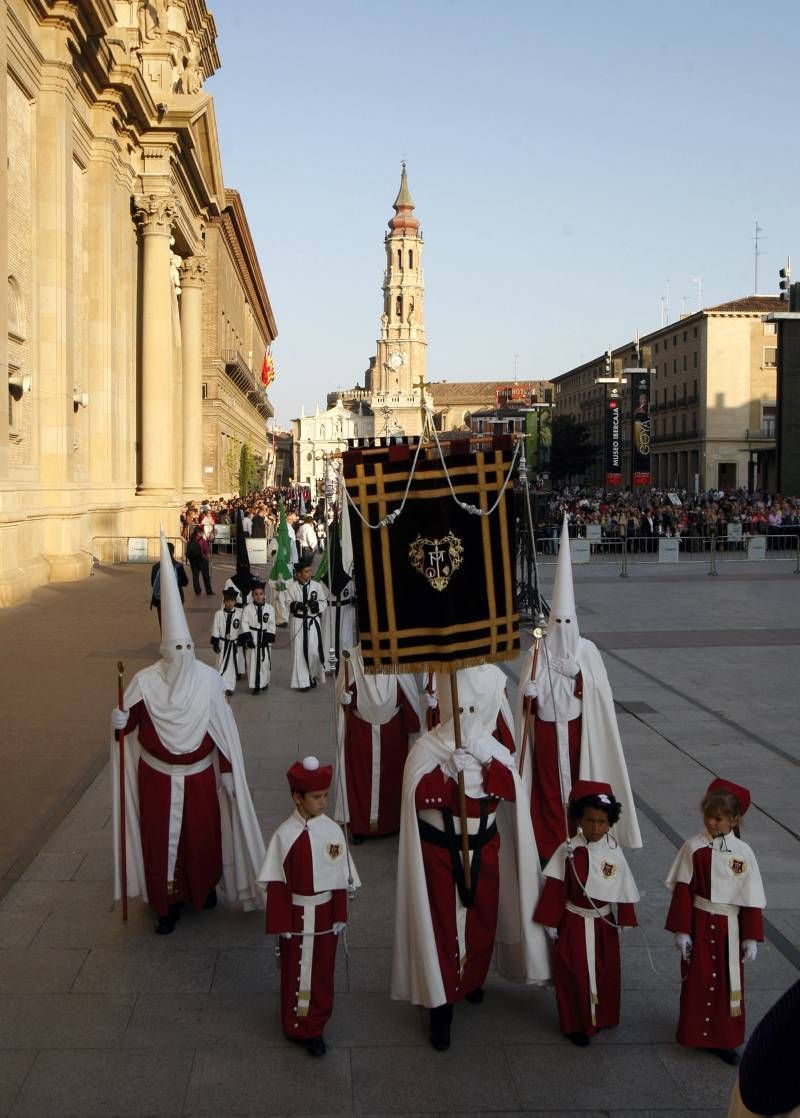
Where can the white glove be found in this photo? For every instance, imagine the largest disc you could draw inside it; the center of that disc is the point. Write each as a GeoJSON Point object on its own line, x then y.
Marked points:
{"type": "Point", "coordinates": [458, 760]}
{"type": "Point", "coordinates": [226, 780]}
{"type": "Point", "coordinates": [286, 935]}
{"type": "Point", "coordinates": [431, 700]}
{"type": "Point", "coordinates": [119, 719]}
{"type": "Point", "coordinates": [481, 750]}
{"type": "Point", "coordinates": [749, 950]}
{"type": "Point", "coordinates": [529, 689]}
{"type": "Point", "coordinates": [339, 927]}
{"type": "Point", "coordinates": [552, 933]}
{"type": "Point", "coordinates": [346, 698]}
{"type": "Point", "coordinates": [566, 665]}
{"type": "Point", "coordinates": [684, 945]}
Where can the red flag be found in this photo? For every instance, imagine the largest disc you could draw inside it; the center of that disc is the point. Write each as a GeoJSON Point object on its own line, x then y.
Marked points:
{"type": "Point", "coordinates": [265, 371]}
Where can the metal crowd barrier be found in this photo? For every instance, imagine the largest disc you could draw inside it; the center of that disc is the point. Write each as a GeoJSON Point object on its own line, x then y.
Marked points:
{"type": "Point", "coordinates": [709, 549]}
{"type": "Point", "coordinates": [134, 549]}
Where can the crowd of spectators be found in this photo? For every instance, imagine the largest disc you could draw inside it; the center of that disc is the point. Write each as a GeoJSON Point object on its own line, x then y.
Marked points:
{"type": "Point", "coordinates": [260, 515]}
{"type": "Point", "coordinates": [641, 517]}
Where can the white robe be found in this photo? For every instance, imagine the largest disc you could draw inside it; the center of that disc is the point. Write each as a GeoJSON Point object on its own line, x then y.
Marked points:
{"type": "Point", "coordinates": [521, 947]}
{"type": "Point", "coordinates": [230, 658]}
{"type": "Point", "coordinates": [303, 673]}
{"type": "Point", "coordinates": [341, 615]}
{"type": "Point", "coordinates": [242, 844]}
{"type": "Point", "coordinates": [602, 758]}
{"type": "Point", "coordinates": [255, 658]}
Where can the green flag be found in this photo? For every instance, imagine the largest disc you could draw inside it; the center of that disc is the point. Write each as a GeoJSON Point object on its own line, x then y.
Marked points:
{"type": "Point", "coordinates": [282, 567]}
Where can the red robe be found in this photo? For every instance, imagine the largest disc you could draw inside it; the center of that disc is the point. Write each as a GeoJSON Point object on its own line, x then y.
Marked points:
{"type": "Point", "coordinates": [358, 765]}
{"type": "Point", "coordinates": [570, 972]}
{"type": "Point", "coordinates": [434, 792]}
{"type": "Point", "coordinates": [705, 1019]}
{"type": "Point", "coordinates": [547, 800]}
{"type": "Point", "coordinates": [283, 916]}
{"type": "Point", "coordinates": [199, 864]}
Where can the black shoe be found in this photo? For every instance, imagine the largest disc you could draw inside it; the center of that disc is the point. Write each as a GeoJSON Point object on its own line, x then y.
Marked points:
{"type": "Point", "coordinates": [727, 1055]}
{"type": "Point", "coordinates": [441, 1019]}
{"type": "Point", "coordinates": [165, 925]}
{"type": "Point", "coordinates": [304, 689]}
{"type": "Point", "coordinates": [580, 1040]}
{"type": "Point", "coordinates": [255, 691]}
{"type": "Point", "coordinates": [175, 911]}
{"type": "Point", "coordinates": [315, 1046]}
{"type": "Point", "coordinates": [313, 683]}
{"type": "Point", "coordinates": [356, 840]}
{"type": "Point", "coordinates": [211, 899]}
{"type": "Point", "coordinates": [475, 997]}
{"type": "Point", "coordinates": [283, 625]}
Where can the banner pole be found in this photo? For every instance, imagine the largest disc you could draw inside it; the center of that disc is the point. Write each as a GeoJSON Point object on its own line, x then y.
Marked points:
{"type": "Point", "coordinates": [123, 847]}
{"type": "Point", "coordinates": [462, 795]}
{"type": "Point", "coordinates": [537, 634]}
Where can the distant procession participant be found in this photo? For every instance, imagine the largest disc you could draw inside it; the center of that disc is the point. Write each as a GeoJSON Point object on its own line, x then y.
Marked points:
{"type": "Point", "coordinates": [258, 634]}
{"type": "Point", "coordinates": [716, 916]}
{"type": "Point", "coordinates": [242, 581]}
{"type": "Point", "coordinates": [339, 626]}
{"type": "Point", "coordinates": [280, 576]}
{"type": "Point", "coordinates": [190, 823]}
{"type": "Point", "coordinates": [573, 732]}
{"type": "Point", "coordinates": [583, 902]}
{"type": "Point", "coordinates": [446, 934]}
{"type": "Point", "coordinates": [376, 716]}
{"type": "Point", "coordinates": [307, 603]}
{"type": "Point", "coordinates": [307, 873]}
{"type": "Point", "coordinates": [226, 631]}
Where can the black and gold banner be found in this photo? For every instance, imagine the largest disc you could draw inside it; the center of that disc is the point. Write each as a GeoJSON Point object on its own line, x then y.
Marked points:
{"type": "Point", "coordinates": [436, 588]}
{"type": "Point", "coordinates": [640, 434]}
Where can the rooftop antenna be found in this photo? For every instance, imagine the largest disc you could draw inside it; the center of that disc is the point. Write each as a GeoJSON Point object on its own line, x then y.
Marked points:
{"type": "Point", "coordinates": [664, 305]}
{"type": "Point", "coordinates": [757, 238]}
{"type": "Point", "coordinates": [516, 363]}
{"type": "Point", "coordinates": [699, 283]}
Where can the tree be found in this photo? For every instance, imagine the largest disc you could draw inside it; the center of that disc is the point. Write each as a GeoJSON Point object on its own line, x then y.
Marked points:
{"type": "Point", "coordinates": [572, 452]}
{"type": "Point", "coordinates": [247, 470]}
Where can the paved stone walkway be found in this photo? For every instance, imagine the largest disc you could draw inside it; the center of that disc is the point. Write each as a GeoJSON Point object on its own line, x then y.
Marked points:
{"type": "Point", "coordinates": [97, 1018]}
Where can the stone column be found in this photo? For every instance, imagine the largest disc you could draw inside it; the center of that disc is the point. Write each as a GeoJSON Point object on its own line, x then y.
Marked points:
{"type": "Point", "coordinates": [155, 214]}
{"type": "Point", "coordinates": [193, 272]}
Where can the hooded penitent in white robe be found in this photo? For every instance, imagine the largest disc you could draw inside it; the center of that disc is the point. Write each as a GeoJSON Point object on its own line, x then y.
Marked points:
{"type": "Point", "coordinates": [376, 707]}
{"type": "Point", "coordinates": [521, 951]}
{"type": "Point", "coordinates": [185, 700]}
{"type": "Point", "coordinates": [601, 755]}
{"type": "Point", "coordinates": [305, 629]}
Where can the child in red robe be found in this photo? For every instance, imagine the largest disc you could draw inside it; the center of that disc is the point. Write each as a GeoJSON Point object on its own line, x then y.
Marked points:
{"type": "Point", "coordinates": [308, 874]}
{"type": "Point", "coordinates": [583, 879]}
{"type": "Point", "coordinates": [717, 898]}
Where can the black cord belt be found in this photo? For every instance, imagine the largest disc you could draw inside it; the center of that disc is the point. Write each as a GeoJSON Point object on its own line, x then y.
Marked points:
{"type": "Point", "coordinates": [431, 834]}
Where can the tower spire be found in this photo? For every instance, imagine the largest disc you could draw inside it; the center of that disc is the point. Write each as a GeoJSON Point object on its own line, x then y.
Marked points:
{"type": "Point", "coordinates": [403, 206]}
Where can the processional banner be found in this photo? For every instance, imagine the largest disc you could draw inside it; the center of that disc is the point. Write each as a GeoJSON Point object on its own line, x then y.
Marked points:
{"type": "Point", "coordinates": [436, 587]}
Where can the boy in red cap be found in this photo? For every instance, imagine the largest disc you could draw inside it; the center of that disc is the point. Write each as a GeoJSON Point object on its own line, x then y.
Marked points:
{"type": "Point", "coordinates": [308, 874]}
{"type": "Point", "coordinates": [582, 880]}
{"type": "Point", "coordinates": [717, 898]}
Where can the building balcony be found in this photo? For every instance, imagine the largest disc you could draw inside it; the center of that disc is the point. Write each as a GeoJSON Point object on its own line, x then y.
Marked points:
{"type": "Point", "coordinates": [245, 380]}
{"type": "Point", "coordinates": [763, 434]}
{"type": "Point", "coordinates": [696, 433]}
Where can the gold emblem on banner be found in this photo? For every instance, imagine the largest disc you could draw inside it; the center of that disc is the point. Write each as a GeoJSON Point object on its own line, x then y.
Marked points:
{"type": "Point", "coordinates": [437, 560]}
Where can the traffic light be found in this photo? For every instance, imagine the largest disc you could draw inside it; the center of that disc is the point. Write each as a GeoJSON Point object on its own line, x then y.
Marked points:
{"type": "Point", "coordinates": [785, 283]}
{"type": "Point", "coordinates": [608, 366]}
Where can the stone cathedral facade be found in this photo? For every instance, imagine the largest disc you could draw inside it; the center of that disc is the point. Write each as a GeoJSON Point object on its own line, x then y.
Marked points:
{"type": "Point", "coordinates": [137, 313]}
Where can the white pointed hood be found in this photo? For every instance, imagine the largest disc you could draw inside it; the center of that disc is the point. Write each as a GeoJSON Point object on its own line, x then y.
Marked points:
{"type": "Point", "coordinates": [563, 635]}
{"type": "Point", "coordinates": [173, 690]}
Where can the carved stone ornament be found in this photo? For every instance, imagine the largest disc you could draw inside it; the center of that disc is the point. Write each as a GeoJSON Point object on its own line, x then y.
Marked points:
{"type": "Point", "coordinates": [193, 271]}
{"type": "Point", "coordinates": [155, 213]}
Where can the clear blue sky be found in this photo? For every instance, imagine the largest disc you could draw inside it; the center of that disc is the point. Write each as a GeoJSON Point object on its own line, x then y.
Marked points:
{"type": "Point", "coordinates": [566, 159]}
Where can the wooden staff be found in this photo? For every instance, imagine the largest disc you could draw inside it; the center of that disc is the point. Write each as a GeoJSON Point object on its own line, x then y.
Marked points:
{"type": "Point", "coordinates": [462, 795]}
{"type": "Point", "coordinates": [123, 846]}
{"type": "Point", "coordinates": [537, 635]}
{"type": "Point", "coordinates": [428, 711]}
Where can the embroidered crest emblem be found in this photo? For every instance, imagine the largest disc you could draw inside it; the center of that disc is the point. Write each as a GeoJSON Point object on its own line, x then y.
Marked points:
{"type": "Point", "coordinates": [334, 849]}
{"type": "Point", "coordinates": [608, 869]}
{"type": "Point", "coordinates": [437, 560]}
{"type": "Point", "coordinates": [738, 866]}
{"type": "Point", "coordinates": [236, 624]}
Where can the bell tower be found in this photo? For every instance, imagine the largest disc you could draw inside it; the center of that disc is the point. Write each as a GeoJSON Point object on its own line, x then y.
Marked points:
{"type": "Point", "coordinates": [402, 344]}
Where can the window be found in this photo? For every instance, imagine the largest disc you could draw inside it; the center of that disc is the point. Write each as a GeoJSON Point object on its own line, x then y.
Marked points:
{"type": "Point", "coordinates": [768, 416]}
{"type": "Point", "coordinates": [399, 258]}
{"type": "Point", "coordinates": [694, 332]}
{"type": "Point", "coordinates": [770, 358]}
{"type": "Point", "coordinates": [665, 397]}
{"type": "Point", "coordinates": [674, 364]}
{"type": "Point", "coordinates": [398, 306]}
{"type": "Point", "coordinates": [674, 340]}
{"type": "Point", "coordinates": [685, 334]}
{"type": "Point", "coordinates": [673, 425]}
{"type": "Point", "coordinates": [665, 368]}
{"type": "Point", "coordinates": [411, 258]}
{"type": "Point", "coordinates": [770, 328]}
{"type": "Point", "coordinates": [685, 362]}
{"type": "Point", "coordinates": [694, 359]}
{"type": "Point", "coordinates": [656, 347]}
{"type": "Point", "coordinates": [205, 391]}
